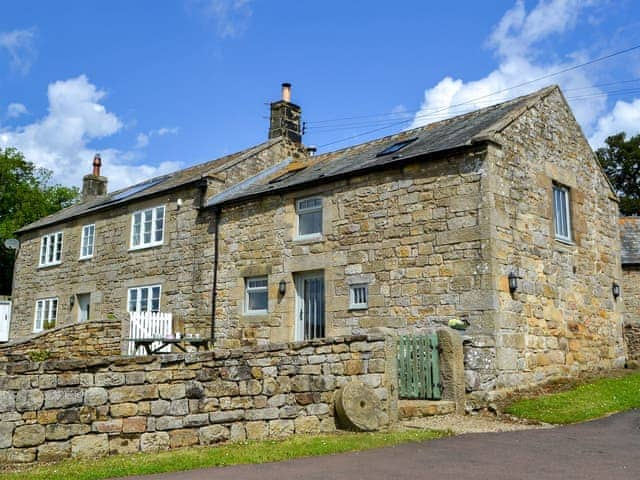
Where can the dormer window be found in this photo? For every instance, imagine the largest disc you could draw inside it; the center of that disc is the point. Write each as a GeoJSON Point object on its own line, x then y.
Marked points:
{"type": "Point", "coordinates": [51, 249]}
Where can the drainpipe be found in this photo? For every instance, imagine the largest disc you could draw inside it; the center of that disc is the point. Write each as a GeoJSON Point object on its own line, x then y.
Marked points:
{"type": "Point", "coordinates": [214, 289]}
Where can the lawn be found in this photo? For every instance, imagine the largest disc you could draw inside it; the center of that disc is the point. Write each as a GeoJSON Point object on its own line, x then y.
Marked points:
{"type": "Point", "coordinates": [218, 456]}
{"type": "Point", "coordinates": [585, 402]}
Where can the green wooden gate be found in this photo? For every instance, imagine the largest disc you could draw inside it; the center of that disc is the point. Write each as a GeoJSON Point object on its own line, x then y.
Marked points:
{"type": "Point", "coordinates": [419, 367]}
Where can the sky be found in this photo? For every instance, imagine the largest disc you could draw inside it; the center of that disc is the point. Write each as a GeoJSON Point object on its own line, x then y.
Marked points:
{"type": "Point", "coordinates": [156, 86]}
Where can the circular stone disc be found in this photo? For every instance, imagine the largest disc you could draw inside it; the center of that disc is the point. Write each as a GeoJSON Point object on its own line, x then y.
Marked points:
{"type": "Point", "coordinates": [358, 407]}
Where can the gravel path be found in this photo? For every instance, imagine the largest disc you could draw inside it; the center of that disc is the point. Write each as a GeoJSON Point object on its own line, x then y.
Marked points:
{"type": "Point", "coordinates": [459, 424]}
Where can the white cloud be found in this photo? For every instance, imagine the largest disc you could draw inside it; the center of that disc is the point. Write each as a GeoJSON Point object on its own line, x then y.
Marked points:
{"type": "Point", "coordinates": [60, 141]}
{"type": "Point", "coordinates": [19, 46]}
{"type": "Point", "coordinates": [230, 16]}
{"type": "Point", "coordinates": [14, 110]}
{"type": "Point", "coordinates": [516, 41]}
{"type": "Point", "coordinates": [143, 139]}
{"type": "Point", "coordinates": [624, 117]}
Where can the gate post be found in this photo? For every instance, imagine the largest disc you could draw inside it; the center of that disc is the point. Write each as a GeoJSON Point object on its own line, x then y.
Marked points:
{"type": "Point", "coordinates": [391, 374]}
{"type": "Point", "coordinates": [452, 368]}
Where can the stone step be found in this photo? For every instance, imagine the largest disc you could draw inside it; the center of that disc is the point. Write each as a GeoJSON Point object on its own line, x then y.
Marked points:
{"type": "Point", "coordinates": [424, 408]}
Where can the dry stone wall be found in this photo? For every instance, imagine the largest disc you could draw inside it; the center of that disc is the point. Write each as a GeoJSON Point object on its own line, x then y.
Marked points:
{"type": "Point", "coordinates": [632, 340]}
{"type": "Point", "coordinates": [79, 340]}
{"type": "Point", "coordinates": [86, 408]}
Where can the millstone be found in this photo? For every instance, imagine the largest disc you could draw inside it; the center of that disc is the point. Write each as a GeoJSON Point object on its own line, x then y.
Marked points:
{"type": "Point", "coordinates": [358, 407]}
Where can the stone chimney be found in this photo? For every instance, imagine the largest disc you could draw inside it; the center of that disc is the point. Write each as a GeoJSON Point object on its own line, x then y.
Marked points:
{"type": "Point", "coordinates": [285, 117]}
{"type": "Point", "coordinates": [94, 185]}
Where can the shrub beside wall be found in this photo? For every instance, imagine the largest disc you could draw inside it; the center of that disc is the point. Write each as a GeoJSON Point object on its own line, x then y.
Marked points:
{"type": "Point", "coordinates": [89, 407]}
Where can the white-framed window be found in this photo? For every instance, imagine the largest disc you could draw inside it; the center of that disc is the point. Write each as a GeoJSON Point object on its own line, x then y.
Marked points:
{"type": "Point", "coordinates": [147, 227]}
{"type": "Point", "coordinates": [46, 314]}
{"type": "Point", "coordinates": [51, 249]}
{"type": "Point", "coordinates": [256, 297]}
{"type": "Point", "coordinates": [88, 239]}
{"type": "Point", "coordinates": [309, 211]}
{"type": "Point", "coordinates": [144, 299]}
{"type": "Point", "coordinates": [358, 296]}
{"type": "Point", "coordinates": [561, 212]}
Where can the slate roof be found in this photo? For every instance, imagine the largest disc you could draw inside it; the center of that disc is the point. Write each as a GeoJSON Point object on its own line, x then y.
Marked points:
{"type": "Point", "coordinates": [156, 185]}
{"type": "Point", "coordinates": [630, 236]}
{"type": "Point", "coordinates": [456, 132]}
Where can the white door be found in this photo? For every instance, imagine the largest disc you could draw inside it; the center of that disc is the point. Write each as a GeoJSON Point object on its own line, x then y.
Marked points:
{"type": "Point", "coordinates": [84, 300]}
{"type": "Point", "coordinates": [5, 319]}
{"type": "Point", "coordinates": [309, 306]}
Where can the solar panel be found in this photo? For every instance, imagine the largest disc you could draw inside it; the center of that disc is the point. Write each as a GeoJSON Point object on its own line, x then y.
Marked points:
{"type": "Point", "coordinates": [136, 189]}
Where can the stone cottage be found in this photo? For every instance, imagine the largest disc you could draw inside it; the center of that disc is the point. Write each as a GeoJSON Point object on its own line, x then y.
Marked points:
{"type": "Point", "coordinates": [145, 247]}
{"type": "Point", "coordinates": [500, 218]}
{"type": "Point", "coordinates": [630, 287]}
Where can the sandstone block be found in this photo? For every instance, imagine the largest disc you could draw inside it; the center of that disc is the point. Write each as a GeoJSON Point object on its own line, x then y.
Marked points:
{"type": "Point", "coordinates": [226, 416]}
{"type": "Point", "coordinates": [6, 434]}
{"type": "Point", "coordinates": [307, 425]}
{"type": "Point", "coordinates": [90, 446]}
{"type": "Point", "coordinates": [257, 430]}
{"type": "Point", "coordinates": [168, 423]}
{"type": "Point", "coordinates": [281, 428]}
{"type": "Point", "coordinates": [17, 455]}
{"type": "Point", "coordinates": [108, 426]}
{"type": "Point", "coordinates": [262, 413]}
{"type": "Point", "coordinates": [109, 379]}
{"type": "Point", "coordinates": [172, 391]}
{"type": "Point", "coordinates": [63, 398]}
{"type": "Point", "coordinates": [29, 400]}
{"type": "Point", "coordinates": [54, 451]}
{"type": "Point", "coordinates": [196, 420]}
{"type": "Point", "coordinates": [95, 396]}
{"type": "Point", "coordinates": [159, 407]}
{"type": "Point", "coordinates": [213, 434]}
{"type": "Point", "coordinates": [124, 445]}
{"type": "Point", "coordinates": [134, 425]}
{"type": "Point", "coordinates": [237, 433]}
{"type": "Point", "coordinates": [123, 409]}
{"type": "Point", "coordinates": [183, 438]}
{"type": "Point", "coordinates": [7, 401]}
{"type": "Point", "coordinates": [179, 407]}
{"type": "Point", "coordinates": [63, 432]}
{"type": "Point", "coordinates": [28, 436]}
{"type": "Point", "coordinates": [133, 393]}
{"type": "Point", "coordinates": [154, 442]}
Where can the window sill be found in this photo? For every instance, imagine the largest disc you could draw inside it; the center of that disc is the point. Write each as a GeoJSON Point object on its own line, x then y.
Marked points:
{"type": "Point", "coordinates": [309, 239]}
{"type": "Point", "coordinates": [258, 313]}
{"type": "Point", "coordinates": [563, 241]}
{"type": "Point", "coordinates": [84, 259]}
{"type": "Point", "coordinates": [145, 247]}
{"type": "Point", "coordinates": [354, 307]}
{"type": "Point", "coordinates": [49, 265]}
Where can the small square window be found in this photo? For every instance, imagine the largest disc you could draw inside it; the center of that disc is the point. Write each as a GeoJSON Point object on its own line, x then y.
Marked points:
{"type": "Point", "coordinates": [256, 295]}
{"type": "Point", "coordinates": [309, 212]}
{"type": "Point", "coordinates": [358, 296]}
{"type": "Point", "coordinates": [561, 212]}
{"type": "Point", "coordinates": [46, 314]}
{"type": "Point", "coordinates": [147, 228]}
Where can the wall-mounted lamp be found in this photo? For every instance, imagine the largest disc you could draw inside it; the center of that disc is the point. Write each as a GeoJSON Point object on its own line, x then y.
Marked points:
{"type": "Point", "coordinates": [179, 203]}
{"type": "Point", "coordinates": [282, 287]}
{"type": "Point", "coordinates": [615, 289]}
{"type": "Point", "coordinates": [72, 301]}
{"type": "Point", "coordinates": [513, 282]}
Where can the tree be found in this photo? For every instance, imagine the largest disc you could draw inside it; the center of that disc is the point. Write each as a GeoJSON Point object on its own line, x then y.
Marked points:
{"type": "Point", "coordinates": [621, 162]}
{"type": "Point", "coordinates": [25, 196]}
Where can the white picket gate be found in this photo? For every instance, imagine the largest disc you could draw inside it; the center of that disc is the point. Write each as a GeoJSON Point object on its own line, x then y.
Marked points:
{"type": "Point", "coordinates": [149, 325]}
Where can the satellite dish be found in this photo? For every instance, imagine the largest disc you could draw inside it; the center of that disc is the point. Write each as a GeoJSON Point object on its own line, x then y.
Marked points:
{"type": "Point", "coordinates": [12, 243]}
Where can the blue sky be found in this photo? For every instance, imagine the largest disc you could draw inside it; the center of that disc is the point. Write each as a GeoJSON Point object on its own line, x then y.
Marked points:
{"type": "Point", "coordinates": [155, 86]}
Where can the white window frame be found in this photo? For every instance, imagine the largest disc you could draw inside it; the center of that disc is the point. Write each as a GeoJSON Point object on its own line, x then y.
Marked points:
{"type": "Point", "coordinates": [45, 311]}
{"type": "Point", "coordinates": [261, 289]}
{"type": "Point", "coordinates": [302, 210]}
{"type": "Point", "coordinates": [51, 249]}
{"type": "Point", "coordinates": [358, 296]}
{"type": "Point", "coordinates": [88, 241]}
{"type": "Point", "coordinates": [562, 212]}
{"type": "Point", "coordinates": [153, 228]}
{"type": "Point", "coordinates": [138, 291]}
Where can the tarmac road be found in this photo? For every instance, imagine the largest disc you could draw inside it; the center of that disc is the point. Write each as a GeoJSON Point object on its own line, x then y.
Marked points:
{"type": "Point", "coordinates": [605, 449]}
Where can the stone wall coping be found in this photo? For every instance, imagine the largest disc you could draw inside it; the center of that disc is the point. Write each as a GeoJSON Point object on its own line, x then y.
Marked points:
{"type": "Point", "coordinates": [92, 364]}
{"type": "Point", "coordinates": [34, 336]}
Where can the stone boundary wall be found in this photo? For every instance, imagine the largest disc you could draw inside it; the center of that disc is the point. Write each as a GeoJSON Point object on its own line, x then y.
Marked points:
{"type": "Point", "coordinates": [632, 341]}
{"type": "Point", "coordinates": [78, 340]}
{"type": "Point", "coordinates": [85, 408]}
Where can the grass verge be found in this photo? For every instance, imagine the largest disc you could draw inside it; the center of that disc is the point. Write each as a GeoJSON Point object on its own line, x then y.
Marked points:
{"type": "Point", "coordinates": [218, 456]}
{"type": "Point", "coordinates": [585, 402]}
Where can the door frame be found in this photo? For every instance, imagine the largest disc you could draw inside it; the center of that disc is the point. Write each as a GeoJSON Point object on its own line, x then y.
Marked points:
{"type": "Point", "coordinates": [8, 303]}
{"type": "Point", "coordinates": [299, 278]}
